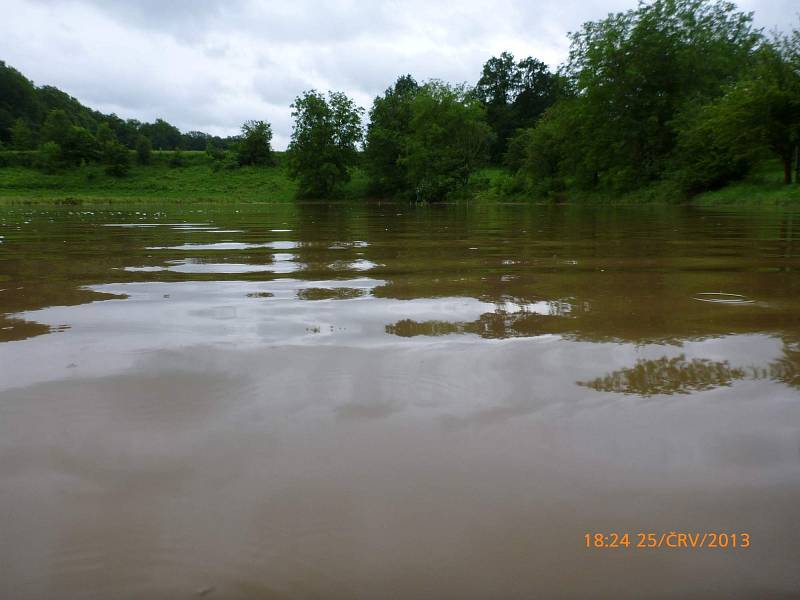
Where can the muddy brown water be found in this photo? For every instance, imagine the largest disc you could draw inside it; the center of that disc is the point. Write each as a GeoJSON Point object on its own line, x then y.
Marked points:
{"type": "Point", "coordinates": [388, 401]}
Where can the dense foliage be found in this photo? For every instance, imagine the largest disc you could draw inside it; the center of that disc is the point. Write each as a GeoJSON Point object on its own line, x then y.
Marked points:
{"type": "Point", "coordinates": [679, 90]}
{"type": "Point", "coordinates": [324, 142]}
{"type": "Point", "coordinates": [254, 146]}
{"type": "Point", "coordinates": [515, 95]}
{"type": "Point", "coordinates": [26, 119]}
{"type": "Point", "coordinates": [423, 142]}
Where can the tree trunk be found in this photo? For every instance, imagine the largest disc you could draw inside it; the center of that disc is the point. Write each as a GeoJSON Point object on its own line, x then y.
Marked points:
{"type": "Point", "coordinates": [797, 164]}
{"type": "Point", "coordinates": [787, 170]}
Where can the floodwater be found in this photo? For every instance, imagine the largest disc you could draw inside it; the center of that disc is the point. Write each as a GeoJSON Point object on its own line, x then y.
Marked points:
{"type": "Point", "coordinates": [389, 401]}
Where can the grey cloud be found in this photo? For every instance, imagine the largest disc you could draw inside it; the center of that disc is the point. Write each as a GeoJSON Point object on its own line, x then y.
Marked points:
{"type": "Point", "coordinates": [211, 64]}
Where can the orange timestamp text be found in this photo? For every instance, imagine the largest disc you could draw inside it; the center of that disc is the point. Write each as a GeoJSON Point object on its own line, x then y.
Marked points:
{"type": "Point", "coordinates": [672, 540]}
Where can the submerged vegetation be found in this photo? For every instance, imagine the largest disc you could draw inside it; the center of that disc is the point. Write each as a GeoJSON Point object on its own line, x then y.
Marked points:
{"type": "Point", "coordinates": [669, 100]}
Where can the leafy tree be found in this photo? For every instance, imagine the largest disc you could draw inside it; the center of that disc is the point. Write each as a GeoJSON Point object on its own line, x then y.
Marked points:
{"type": "Point", "coordinates": [634, 72]}
{"type": "Point", "coordinates": [105, 135]}
{"type": "Point", "coordinates": [56, 127]}
{"type": "Point", "coordinates": [545, 154]}
{"type": "Point", "coordinates": [117, 159]}
{"type": "Point", "coordinates": [79, 145]}
{"type": "Point", "coordinates": [759, 114]}
{"type": "Point", "coordinates": [194, 140]}
{"type": "Point", "coordinates": [387, 133]}
{"type": "Point", "coordinates": [324, 141]}
{"type": "Point", "coordinates": [50, 157]}
{"type": "Point", "coordinates": [515, 95]}
{"type": "Point", "coordinates": [51, 98]}
{"type": "Point", "coordinates": [254, 145]}
{"type": "Point", "coordinates": [143, 150]}
{"type": "Point", "coordinates": [448, 140]}
{"type": "Point", "coordinates": [17, 100]}
{"type": "Point", "coordinates": [21, 135]}
{"type": "Point", "coordinates": [162, 135]}
{"type": "Point", "coordinates": [125, 131]}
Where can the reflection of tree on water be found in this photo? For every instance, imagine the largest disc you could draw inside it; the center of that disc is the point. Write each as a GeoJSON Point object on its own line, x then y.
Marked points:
{"type": "Point", "coordinates": [677, 375]}
{"type": "Point", "coordinates": [509, 320]}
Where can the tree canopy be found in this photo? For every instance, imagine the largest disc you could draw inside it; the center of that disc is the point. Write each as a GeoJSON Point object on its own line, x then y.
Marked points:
{"type": "Point", "coordinates": [324, 143]}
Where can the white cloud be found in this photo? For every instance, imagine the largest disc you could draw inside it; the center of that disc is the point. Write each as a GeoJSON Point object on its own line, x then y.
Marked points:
{"type": "Point", "coordinates": [212, 64]}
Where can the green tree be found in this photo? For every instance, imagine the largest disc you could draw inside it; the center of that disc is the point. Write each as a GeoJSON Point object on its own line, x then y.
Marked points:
{"type": "Point", "coordinates": [545, 155]}
{"type": "Point", "coordinates": [634, 72]}
{"type": "Point", "coordinates": [105, 135]}
{"type": "Point", "coordinates": [324, 142]}
{"type": "Point", "coordinates": [387, 134]}
{"type": "Point", "coordinates": [760, 114]}
{"type": "Point", "coordinates": [79, 145]}
{"type": "Point", "coordinates": [56, 127]}
{"type": "Point", "coordinates": [515, 95]}
{"type": "Point", "coordinates": [117, 159]}
{"type": "Point", "coordinates": [143, 150]}
{"type": "Point", "coordinates": [448, 140]}
{"type": "Point", "coordinates": [21, 135]}
{"type": "Point", "coordinates": [254, 147]}
{"type": "Point", "coordinates": [50, 157]}
{"type": "Point", "coordinates": [18, 99]}
{"type": "Point", "coordinates": [162, 135]}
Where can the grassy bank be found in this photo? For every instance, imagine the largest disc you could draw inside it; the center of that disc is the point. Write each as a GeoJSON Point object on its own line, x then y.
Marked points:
{"type": "Point", "coordinates": [193, 176]}
{"type": "Point", "coordinates": [762, 187]}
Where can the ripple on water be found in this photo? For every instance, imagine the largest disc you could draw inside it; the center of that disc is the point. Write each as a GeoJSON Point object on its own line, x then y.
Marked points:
{"type": "Point", "coordinates": [228, 246]}
{"type": "Point", "coordinates": [353, 265]}
{"type": "Point", "coordinates": [284, 263]}
{"type": "Point", "coordinates": [723, 298]}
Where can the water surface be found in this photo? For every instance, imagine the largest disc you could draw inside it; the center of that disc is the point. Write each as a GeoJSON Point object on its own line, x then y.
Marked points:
{"type": "Point", "coordinates": [261, 401]}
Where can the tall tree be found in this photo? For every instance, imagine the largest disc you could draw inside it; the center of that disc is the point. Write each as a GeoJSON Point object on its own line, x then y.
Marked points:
{"type": "Point", "coordinates": [635, 71]}
{"type": "Point", "coordinates": [387, 132]}
{"type": "Point", "coordinates": [56, 127]}
{"type": "Point", "coordinates": [448, 140]}
{"type": "Point", "coordinates": [515, 95]}
{"type": "Point", "coordinates": [324, 141]}
{"type": "Point", "coordinates": [760, 114]}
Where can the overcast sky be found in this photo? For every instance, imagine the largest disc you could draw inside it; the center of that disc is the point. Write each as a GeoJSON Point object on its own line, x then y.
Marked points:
{"type": "Point", "coordinates": [209, 65]}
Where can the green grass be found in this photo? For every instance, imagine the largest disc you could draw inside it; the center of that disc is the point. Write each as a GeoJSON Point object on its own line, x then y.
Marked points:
{"type": "Point", "coordinates": [199, 179]}
{"type": "Point", "coordinates": [764, 187]}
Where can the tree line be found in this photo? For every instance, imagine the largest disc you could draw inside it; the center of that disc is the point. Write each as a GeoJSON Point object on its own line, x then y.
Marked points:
{"type": "Point", "coordinates": [686, 94]}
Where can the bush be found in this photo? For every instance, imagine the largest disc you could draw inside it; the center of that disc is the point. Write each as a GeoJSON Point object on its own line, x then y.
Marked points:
{"type": "Point", "coordinates": [143, 150]}
{"type": "Point", "coordinates": [79, 145]}
{"type": "Point", "coordinates": [49, 157]}
{"type": "Point", "coordinates": [254, 144]}
{"type": "Point", "coordinates": [117, 159]}
{"type": "Point", "coordinates": [177, 159]}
